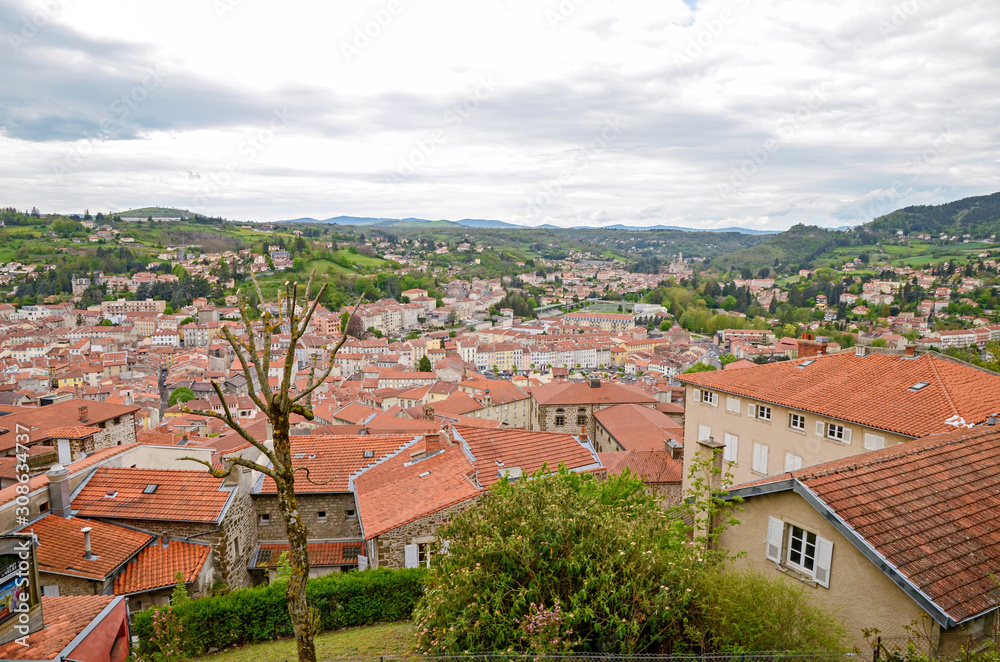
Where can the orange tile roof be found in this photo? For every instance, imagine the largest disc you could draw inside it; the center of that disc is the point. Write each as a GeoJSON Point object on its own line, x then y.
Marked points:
{"type": "Point", "coordinates": [58, 415]}
{"type": "Point", "coordinates": [871, 390]}
{"type": "Point", "coordinates": [333, 457]}
{"type": "Point", "coordinates": [61, 546]}
{"type": "Point", "coordinates": [638, 428]}
{"type": "Point", "coordinates": [581, 393]}
{"type": "Point", "coordinates": [72, 432]}
{"type": "Point", "coordinates": [393, 494]}
{"type": "Point", "coordinates": [928, 507]}
{"type": "Point", "coordinates": [498, 451]}
{"type": "Point", "coordinates": [156, 566]}
{"type": "Point", "coordinates": [65, 618]}
{"type": "Point", "coordinates": [321, 553]}
{"type": "Point", "coordinates": [651, 466]}
{"type": "Point", "coordinates": [180, 496]}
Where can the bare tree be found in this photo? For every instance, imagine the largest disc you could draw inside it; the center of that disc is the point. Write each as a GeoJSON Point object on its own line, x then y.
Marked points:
{"type": "Point", "coordinates": [278, 405]}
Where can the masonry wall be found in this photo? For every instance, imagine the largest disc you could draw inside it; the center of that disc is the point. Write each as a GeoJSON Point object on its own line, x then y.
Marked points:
{"type": "Point", "coordinates": [72, 585]}
{"type": "Point", "coordinates": [544, 417]}
{"type": "Point", "coordinates": [389, 547]}
{"type": "Point", "coordinates": [341, 516]}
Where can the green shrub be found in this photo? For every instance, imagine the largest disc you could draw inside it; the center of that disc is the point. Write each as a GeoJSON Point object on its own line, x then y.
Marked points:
{"type": "Point", "coordinates": [743, 611]}
{"type": "Point", "coordinates": [258, 614]}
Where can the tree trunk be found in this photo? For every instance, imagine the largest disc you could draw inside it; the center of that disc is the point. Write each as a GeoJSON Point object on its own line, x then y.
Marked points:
{"type": "Point", "coordinates": [295, 592]}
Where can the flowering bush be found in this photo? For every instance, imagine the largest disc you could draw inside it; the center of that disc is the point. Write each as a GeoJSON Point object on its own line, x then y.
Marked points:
{"type": "Point", "coordinates": [167, 633]}
{"type": "Point", "coordinates": [545, 631]}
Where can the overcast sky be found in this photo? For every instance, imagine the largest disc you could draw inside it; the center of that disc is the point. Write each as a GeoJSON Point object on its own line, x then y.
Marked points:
{"type": "Point", "coordinates": [707, 113]}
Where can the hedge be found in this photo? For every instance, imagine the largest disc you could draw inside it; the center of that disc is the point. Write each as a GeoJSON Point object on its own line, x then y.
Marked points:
{"type": "Point", "coordinates": [258, 614]}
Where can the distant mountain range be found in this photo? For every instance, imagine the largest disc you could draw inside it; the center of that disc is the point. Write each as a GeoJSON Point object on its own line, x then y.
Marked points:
{"type": "Point", "coordinates": [487, 223]}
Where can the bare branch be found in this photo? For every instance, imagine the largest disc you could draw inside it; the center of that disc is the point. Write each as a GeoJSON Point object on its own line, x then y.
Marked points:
{"type": "Point", "coordinates": [232, 462]}
{"type": "Point", "coordinates": [333, 355]}
{"type": "Point", "coordinates": [263, 385]}
{"type": "Point", "coordinates": [227, 418]}
{"type": "Point", "coordinates": [265, 408]}
{"type": "Point", "coordinates": [325, 482]}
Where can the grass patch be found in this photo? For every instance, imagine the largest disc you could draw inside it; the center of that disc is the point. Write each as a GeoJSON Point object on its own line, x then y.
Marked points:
{"type": "Point", "coordinates": [362, 643]}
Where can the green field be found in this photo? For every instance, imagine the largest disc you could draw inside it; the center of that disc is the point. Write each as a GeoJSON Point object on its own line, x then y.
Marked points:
{"type": "Point", "coordinates": [365, 643]}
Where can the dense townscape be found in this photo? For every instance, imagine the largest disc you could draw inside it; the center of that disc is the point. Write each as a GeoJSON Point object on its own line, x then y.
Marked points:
{"type": "Point", "coordinates": [800, 382]}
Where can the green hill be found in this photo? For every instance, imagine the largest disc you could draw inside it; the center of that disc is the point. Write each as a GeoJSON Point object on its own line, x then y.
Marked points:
{"type": "Point", "coordinates": [798, 245]}
{"type": "Point", "coordinates": [978, 216]}
{"type": "Point", "coordinates": [157, 211]}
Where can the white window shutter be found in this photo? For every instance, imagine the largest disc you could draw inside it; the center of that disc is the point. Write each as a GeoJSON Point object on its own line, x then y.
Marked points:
{"type": "Point", "coordinates": [775, 532]}
{"type": "Point", "coordinates": [820, 428]}
{"type": "Point", "coordinates": [824, 558]}
{"type": "Point", "coordinates": [715, 400]}
{"type": "Point", "coordinates": [847, 435]}
{"type": "Point", "coordinates": [704, 432]}
{"type": "Point", "coordinates": [411, 557]}
{"type": "Point", "coordinates": [444, 546]}
{"type": "Point", "coordinates": [873, 442]}
{"type": "Point", "coordinates": [697, 395]}
{"type": "Point", "coordinates": [362, 563]}
{"type": "Point", "coordinates": [751, 409]}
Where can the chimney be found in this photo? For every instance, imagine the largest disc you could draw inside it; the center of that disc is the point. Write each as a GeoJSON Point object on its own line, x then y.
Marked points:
{"type": "Point", "coordinates": [595, 383]}
{"type": "Point", "coordinates": [59, 498]}
{"type": "Point", "coordinates": [809, 347]}
{"type": "Point", "coordinates": [84, 415]}
{"type": "Point", "coordinates": [164, 541]}
{"type": "Point", "coordinates": [432, 442]}
{"type": "Point", "coordinates": [860, 350]}
{"type": "Point", "coordinates": [909, 350]}
{"type": "Point", "coordinates": [87, 553]}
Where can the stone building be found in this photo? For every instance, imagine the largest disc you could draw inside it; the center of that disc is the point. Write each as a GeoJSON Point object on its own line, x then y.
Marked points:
{"type": "Point", "coordinates": [182, 505]}
{"type": "Point", "coordinates": [570, 406]}
{"type": "Point", "coordinates": [96, 425]}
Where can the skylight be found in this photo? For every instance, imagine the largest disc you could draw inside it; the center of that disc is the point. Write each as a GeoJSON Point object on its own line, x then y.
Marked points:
{"type": "Point", "coordinates": [299, 456]}
{"type": "Point", "coordinates": [919, 385]}
{"type": "Point", "coordinates": [149, 489]}
{"type": "Point", "coordinates": [369, 453]}
{"type": "Point", "coordinates": [806, 362]}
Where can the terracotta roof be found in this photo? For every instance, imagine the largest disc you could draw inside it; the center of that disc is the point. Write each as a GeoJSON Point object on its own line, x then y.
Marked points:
{"type": "Point", "coordinates": [72, 432]}
{"type": "Point", "coordinates": [355, 413]}
{"type": "Point", "coordinates": [499, 451]}
{"type": "Point", "coordinates": [156, 566]}
{"type": "Point", "coordinates": [179, 495]}
{"type": "Point", "coordinates": [652, 466]}
{"type": "Point", "coordinates": [58, 415]}
{"type": "Point", "coordinates": [874, 390]}
{"type": "Point", "coordinates": [399, 491]}
{"type": "Point", "coordinates": [65, 618]}
{"type": "Point", "coordinates": [61, 546]}
{"type": "Point", "coordinates": [333, 457]}
{"type": "Point", "coordinates": [928, 507]}
{"type": "Point", "coordinates": [321, 553]}
{"type": "Point", "coordinates": [638, 428]}
{"type": "Point", "coordinates": [574, 393]}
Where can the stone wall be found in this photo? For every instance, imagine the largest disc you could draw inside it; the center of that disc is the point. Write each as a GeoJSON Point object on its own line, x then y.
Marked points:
{"type": "Point", "coordinates": [341, 519]}
{"type": "Point", "coordinates": [544, 417]}
{"type": "Point", "coordinates": [389, 547]}
{"type": "Point", "coordinates": [73, 585]}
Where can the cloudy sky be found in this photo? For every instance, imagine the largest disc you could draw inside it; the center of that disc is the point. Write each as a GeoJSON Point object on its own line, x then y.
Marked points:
{"type": "Point", "coordinates": [702, 113]}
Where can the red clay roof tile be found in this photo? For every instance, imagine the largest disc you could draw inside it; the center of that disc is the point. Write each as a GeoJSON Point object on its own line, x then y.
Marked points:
{"type": "Point", "coordinates": [157, 566]}
{"type": "Point", "coordinates": [180, 495]}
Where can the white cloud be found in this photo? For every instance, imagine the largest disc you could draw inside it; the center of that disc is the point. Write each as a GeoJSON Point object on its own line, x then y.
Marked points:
{"type": "Point", "coordinates": [760, 113]}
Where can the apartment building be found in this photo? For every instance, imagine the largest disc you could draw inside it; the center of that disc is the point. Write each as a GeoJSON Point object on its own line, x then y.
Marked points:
{"type": "Point", "coordinates": [783, 416]}
{"type": "Point", "coordinates": [614, 322]}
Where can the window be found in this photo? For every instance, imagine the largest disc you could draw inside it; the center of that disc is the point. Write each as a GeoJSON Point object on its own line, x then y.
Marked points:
{"type": "Point", "coordinates": [704, 432]}
{"type": "Point", "coordinates": [53, 592]}
{"type": "Point", "coordinates": [797, 422]}
{"type": "Point", "coordinates": [706, 397]}
{"type": "Point", "coordinates": [792, 462]}
{"type": "Point", "coordinates": [44, 507]}
{"type": "Point", "coordinates": [348, 514]}
{"type": "Point", "coordinates": [803, 551]}
{"type": "Point", "coordinates": [424, 552]}
{"type": "Point", "coordinates": [837, 433]}
{"type": "Point", "coordinates": [236, 547]}
{"type": "Point", "coordinates": [759, 458]}
{"type": "Point", "coordinates": [581, 416]}
{"type": "Point", "coordinates": [560, 417]}
{"type": "Point", "coordinates": [733, 405]}
{"type": "Point", "coordinates": [265, 519]}
{"type": "Point", "coordinates": [731, 450]}
{"type": "Point", "coordinates": [873, 442]}
{"type": "Point", "coordinates": [762, 412]}
{"type": "Point", "coordinates": [321, 516]}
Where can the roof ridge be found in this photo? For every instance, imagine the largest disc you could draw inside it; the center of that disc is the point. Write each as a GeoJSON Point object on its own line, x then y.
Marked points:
{"type": "Point", "coordinates": [944, 390]}
{"type": "Point", "coordinates": [911, 448]}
